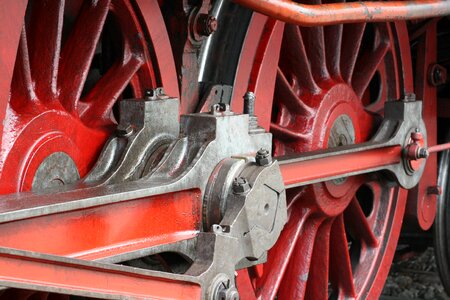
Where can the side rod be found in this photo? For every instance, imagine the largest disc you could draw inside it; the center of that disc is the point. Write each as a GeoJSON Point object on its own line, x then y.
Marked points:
{"type": "Point", "coordinates": [334, 163]}
{"type": "Point", "coordinates": [349, 12]}
{"type": "Point", "coordinates": [36, 271]}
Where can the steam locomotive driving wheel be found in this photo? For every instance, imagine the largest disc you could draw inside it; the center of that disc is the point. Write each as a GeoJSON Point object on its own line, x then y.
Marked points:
{"type": "Point", "coordinates": [331, 85]}
{"type": "Point", "coordinates": [69, 72]}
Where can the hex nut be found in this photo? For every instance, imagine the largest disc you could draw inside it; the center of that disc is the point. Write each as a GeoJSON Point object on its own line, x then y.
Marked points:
{"type": "Point", "coordinates": [240, 185]}
{"type": "Point", "coordinates": [263, 157]}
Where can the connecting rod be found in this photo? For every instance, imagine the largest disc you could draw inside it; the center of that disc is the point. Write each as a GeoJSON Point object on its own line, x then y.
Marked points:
{"type": "Point", "coordinates": [180, 176]}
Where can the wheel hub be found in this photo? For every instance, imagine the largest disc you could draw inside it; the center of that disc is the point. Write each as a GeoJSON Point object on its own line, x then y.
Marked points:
{"type": "Point", "coordinates": [56, 170]}
{"type": "Point", "coordinates": [342, 133]}
{"type": "Point", "coordinates": [335, 124]}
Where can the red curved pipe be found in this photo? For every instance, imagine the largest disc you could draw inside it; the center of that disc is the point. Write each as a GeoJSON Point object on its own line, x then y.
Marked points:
{"type": "Point", "coordinates": [350, 12]}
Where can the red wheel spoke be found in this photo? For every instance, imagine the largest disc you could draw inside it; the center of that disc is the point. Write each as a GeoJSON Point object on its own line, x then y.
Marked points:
{"type": "Point", "coordinates": [296, 56]}
{"type": "Point", "coordinates": [279, 255]}
{"type": "Point", "coordinates": [333, 38]}
{"type": "Point", "coordinates": [317, 286]}
{"type": "Point", "coordinates": [341, 275]}
{"type": "Point", "coordinates": [351, 43]}
{"type": "Point", "coordinates": [79, 50]}
{"type": "Point", "coordinates": [22, 89]}
{"type": "Point", "coordinates": [296, 276]}
{"type": "Point", "coordinates": [44, 43]}
{"type": "Point", "coordinates": [333, 41]}
{"type": "Point", "coordinates": [288, 97]}
{"type": "Point", "coordinates": [314, 38]}
{"type": "Point", "coordinates": [105, 93]}
{"type": "Point", "coordinates": [286, 134]}
{"type": "Point", "coordinates": [358, 225]}
{"type": "Point", "coordinates": [367, 65]}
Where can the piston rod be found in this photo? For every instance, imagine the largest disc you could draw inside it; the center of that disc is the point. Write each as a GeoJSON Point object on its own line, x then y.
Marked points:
{"type": "Point", "coordinates": [350, 12]}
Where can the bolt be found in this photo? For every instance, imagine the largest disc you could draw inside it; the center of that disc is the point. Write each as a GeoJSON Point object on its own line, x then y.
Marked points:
{"type": "Point", "coordinates": [416, 136]}
{"type": "Point", "coordinates": [409, 98]}
{"type": "Point", "coordinates": [434, 190]}
{"type": "Point", "coordinates": [124, 130]}
{"type": "Point", "coordinates": [437, 75]}
{"type": "Point", "coordinates": [220, 107]}
{"type": "Point", "coordinates": [263, 157]}
{"type": "Point", "coordinates": [229, 294]}
{"type": "Point", "coordinates": [249, 103]}
{"type": "Point", "coordinates": [152, 94]}
{"type": "Point", "coordinates": [240, 185]}
{"type": "Point", "coordinates": [221, 228]}
{"type": "Point", "coordinates": [422, 153]}
{"type": "Point", "coordinates": [206, 24]}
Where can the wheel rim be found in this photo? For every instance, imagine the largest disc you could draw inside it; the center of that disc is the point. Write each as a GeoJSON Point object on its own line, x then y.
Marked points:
{"type": "Point", "coordinates": [340, 236]}
{"type": "Point", "coordinates": [70, 71]}
{"type": "Point", "coordinates": [441, 233]}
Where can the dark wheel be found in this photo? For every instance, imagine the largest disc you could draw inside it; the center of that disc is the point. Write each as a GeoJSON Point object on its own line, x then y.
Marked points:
{"type": "Point", "coordinates": [442, 222]}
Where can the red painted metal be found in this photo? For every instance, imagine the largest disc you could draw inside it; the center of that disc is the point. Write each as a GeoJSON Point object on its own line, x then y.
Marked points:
{"type": "Point", "coordinates": [53, 274]}
{"type": "Point", "coordinates": [421, 207]}
{"type": "Point", "coordinates": [297, 172]}
{"type": "Point", "coordinates": [108, 230]}
{"type": "Point", "coordinates": [313, 14]}
{"type": "Point", "coordinates": [259, 58]}
{"type": "Point", "coordinates": [51, 107]}
{"type": "Point", "coordinates": [11, 14]}
{"type": "Point", "coordinates": [324, 73]}
{"type": "Point", "coordinates": [439, 148]}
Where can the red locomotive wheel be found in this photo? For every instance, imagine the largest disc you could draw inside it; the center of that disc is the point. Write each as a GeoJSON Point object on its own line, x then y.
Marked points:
{"type": "Point", "coordinates": [331, 86]}
{"type": "Point", "coordinates": [75, 60]}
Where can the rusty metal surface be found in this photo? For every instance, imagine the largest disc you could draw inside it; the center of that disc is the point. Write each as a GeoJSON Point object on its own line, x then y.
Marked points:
{"type": "Point", "coordinates": [350, 12]}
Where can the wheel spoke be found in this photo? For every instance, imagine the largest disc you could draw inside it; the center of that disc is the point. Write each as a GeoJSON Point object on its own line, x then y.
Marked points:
{"type": "Point", "coordinates": [293, 285]}
{"type": "Point", "coordinates": [79, 50]}
{"type": "Point", "coordinates": [314, 38]}
{"type": "Point", "coordinates": [280, 254]}
{"type": "Point", "coordinates": [44, 42]}
{"type": "Point", "coordinates": [341, 275]}
{"type": "Point", "coordinates": [333, 38]}
{"type": "Point", "coordinates": [358, 225]}
{"type": "Point", "coordinates": [351, 43]}
{"type": "Point", "coordinates": [367, 66]}
{"type": "Point", "coordinates": [285, 133]}
{"type": "Point", "coordinates": [317, 285]}
{"type": "Point", "coordinates": [333, 41]}
{"type": "Point", "coordinates": [104, 94]}
{"type": "Point", "coordinates": [285, 93]}
{"type": "Point", "coordinates": [22, 89]}
{"type": "Point", "coordinates": [298, 61]}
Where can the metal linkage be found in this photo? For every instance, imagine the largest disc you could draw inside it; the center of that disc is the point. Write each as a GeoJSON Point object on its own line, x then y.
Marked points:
{"type": "Point", "coordinates": [401, 134]}
{"type": "Point", "coordinates": [336, 13]}
{"type": "Point", "coordinates": [150, 174]}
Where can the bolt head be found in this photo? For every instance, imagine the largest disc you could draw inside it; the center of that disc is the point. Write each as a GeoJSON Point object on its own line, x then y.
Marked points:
{"type": "Point", "coordinates": [240, 185]}
{"type": "Point", "coordinates": [220, 108]}
{"type": "Point", "coordinates": [263, 157]}
{"type": "Point", "coordinates": [416, 136]}
{"type": "Point", "coordinates": [423, 153]}
{"type": "Point", "coordinates": [154, 94]}
{"type": "Point", "coordinates": [206, 24]}
{"type": "Point", "coordinates": [437, 75]}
